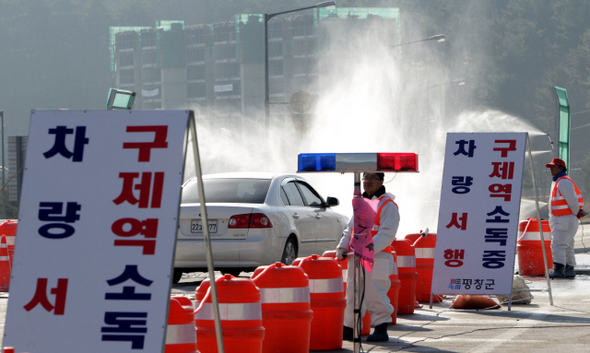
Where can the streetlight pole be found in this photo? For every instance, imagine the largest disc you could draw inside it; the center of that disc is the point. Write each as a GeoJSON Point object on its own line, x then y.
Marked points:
{"type": "Point", "coordinates": [267, 17]}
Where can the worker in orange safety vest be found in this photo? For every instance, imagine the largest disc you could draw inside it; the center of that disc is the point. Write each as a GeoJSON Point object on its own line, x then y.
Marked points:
{"type": "Point", "coordinates": [376, 282]}
{"type": "Point", "coordinates": [565, 208]}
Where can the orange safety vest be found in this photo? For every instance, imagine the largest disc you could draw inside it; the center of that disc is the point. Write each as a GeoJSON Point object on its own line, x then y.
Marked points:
{"type": "Point", "coordinates": [559, 206]}
{"type": "Point", "coordinates": [377, 223]}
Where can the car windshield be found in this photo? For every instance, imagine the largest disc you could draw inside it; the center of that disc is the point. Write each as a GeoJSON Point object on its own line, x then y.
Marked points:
{"type": "Point", "coordinates": [227, 190]}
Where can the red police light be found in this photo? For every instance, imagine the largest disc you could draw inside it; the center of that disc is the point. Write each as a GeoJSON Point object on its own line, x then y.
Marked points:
{"type": "Point", "coordinates": [397, 162]}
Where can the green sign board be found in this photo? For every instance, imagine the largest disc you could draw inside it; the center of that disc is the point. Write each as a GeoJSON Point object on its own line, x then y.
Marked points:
{"type": "Point", "coordinates": [563, 125]}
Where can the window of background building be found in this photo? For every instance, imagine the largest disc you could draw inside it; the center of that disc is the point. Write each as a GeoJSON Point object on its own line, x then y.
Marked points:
{"type": "Point", "coordinates": [197, 90]}
{"type": "Point", "coordinates": [126, 40]}
{"type": "Point", "coordinates": [302, 26]}
{"type": "Point", "coordinates": [126, 59]}
{"type": "Point", "coordinates": [195, 72]}
{"type": "Point", "coordinates": [197, 35]}
{"type": "Point", "coordinates": [303, 46]}
{"type": "Point", "coordinates": [275, 68]}
{"type": "Point", "coordinates": [224, 52]}
{"type": "Point", "coordinates": [304, 66]}
{"type": "Point", "coordinates": [148, 38]}
{"type": "Point", "coordinates": [275, 48]}
{"type": "Point", "coordinates": [275, 29]}
{"type": "Point", "coordinates": [126, 76]}
{"type": "Point", "coordinates": [226, 71]}
{"type": "Point", "coordinates": [195, 54]}
{"type": "Point", "coordinates": [148, 57]}
{"type": "Point", "coordinates": [151, 104]}
{"type": "Point", "coordinates": [276, 86]}
{"type": "Point", "coordinates": [224, 33]}
{"type": "Point", "coordinates": [151, 74]}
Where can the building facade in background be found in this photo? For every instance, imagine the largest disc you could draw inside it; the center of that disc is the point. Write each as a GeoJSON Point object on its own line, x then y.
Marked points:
{"type": "Point", "coordinates": [220, 66]}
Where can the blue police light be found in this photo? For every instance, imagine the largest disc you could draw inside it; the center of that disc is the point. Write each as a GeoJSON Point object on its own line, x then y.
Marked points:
{"type": "Point", "coordinates": [316, 162]}
{"type": "Point", "coordinates": [358, 162]}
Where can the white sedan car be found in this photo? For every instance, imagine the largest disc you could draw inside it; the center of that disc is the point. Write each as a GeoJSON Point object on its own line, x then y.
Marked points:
{"type": "Point", "coordinates": [254, 219]}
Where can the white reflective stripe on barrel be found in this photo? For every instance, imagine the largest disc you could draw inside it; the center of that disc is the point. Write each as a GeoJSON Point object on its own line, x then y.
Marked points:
{"type": "Point", "coordinates": [231, 312]}
{"type": "Point", "coordinates": [406, 261]}
{"type": "Point", "coordinates": [180, 334]}
{"type": "Point", "coordinates": [5, 247]}
{"type": "Point", "coordinates": [328, 285]}
{"type": "Point", "coordinates": [425, 253]}
{"type": "Point", "coordinates": [345, 275]}
{"type": "Point", "coordinates": [284, 295]}
{"type": "Point", "coordinates": [394, 272]}
{"type": "Point", "coordinates": [536, 235]}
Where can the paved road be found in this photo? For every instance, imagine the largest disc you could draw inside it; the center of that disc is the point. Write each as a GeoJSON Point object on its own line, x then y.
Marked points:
{"type": "Point", "coordinates": [538, 327]}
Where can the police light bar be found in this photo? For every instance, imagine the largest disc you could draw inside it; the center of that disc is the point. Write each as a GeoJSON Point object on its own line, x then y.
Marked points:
{"type": "Point", "coordinates": [357, 162]}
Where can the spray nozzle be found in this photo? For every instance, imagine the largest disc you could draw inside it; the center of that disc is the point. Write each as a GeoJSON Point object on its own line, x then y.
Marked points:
{"type": "Point", "coordinates": [424, 232]}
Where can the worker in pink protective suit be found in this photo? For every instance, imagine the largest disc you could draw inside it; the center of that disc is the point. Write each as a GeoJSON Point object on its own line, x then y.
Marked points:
{"type": "Point", "coordinates": [376, 283]}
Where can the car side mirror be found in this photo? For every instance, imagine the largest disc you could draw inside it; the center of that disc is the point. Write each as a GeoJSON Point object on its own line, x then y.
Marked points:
{"type": "Point", "coordinates": [332, 201]}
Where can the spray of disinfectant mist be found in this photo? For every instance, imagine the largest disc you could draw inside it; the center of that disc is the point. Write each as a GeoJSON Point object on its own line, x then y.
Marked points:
{"type": "Point", "coordinates": [369, 101]}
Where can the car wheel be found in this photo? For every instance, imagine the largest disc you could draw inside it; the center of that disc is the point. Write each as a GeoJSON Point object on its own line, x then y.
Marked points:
{"type": "Point", "coordinates": [290, 252]}
{"type": "Point", "coordinates": [177, 275]}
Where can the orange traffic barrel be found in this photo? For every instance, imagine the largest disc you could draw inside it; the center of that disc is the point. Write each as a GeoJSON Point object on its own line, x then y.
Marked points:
{"type": "Point", "coordinates": [200, 293]}
{"type": "Point", "coordinates": [343, 265]}
{"type": "Point", "coordinates": [297, 261]}
{"type": "Point", "coordinates": [240, 314]}
{"type": "Point", "coordinates": [327, 301]}
{"type": "Point", "coordinates": [424, 247]}
{"type": "Point", "coordinates": [393, 292]}
{"type": "Point", "coordinates": [286, 308]}
{"type": "Point", "coordinates": [8, 349]}
{"type": "Point", "coordinates": [8, 228]}
{"type": "Point", "coordinates": [528, 248]}
{"type": "Point", "coordinates": [366, 326]}
{"type": "Point", "coordinates": [258, 271]}
{"type": "Point", "coordinates": [181, 336]}
{"type": "Point", "coordinates": [5, 266]}
{"type": "Point", "coordinates": [406, 268]}
{"type": "Point", "coordinates": [413, 237]}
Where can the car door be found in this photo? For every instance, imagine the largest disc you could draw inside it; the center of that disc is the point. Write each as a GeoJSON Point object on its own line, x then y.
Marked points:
{"type": "Point", "coordinates": [302, 216]}
{"type": "Point", "coordinates": [328, 227]}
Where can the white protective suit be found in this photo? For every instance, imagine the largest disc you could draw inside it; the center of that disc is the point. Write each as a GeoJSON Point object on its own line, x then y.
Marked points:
{"type": "Point", "coordinates": [377, 282]}
{"type": "Point", "coordinates": [564, 228]}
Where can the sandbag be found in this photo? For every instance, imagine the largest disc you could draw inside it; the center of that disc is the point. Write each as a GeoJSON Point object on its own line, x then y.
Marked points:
{"type": "Point", "coordinates": [466, 301]}
{"type": "Point", "coordinates": [521, 293]}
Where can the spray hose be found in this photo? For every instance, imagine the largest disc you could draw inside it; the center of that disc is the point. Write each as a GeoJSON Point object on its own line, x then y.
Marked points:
{"type": "Point", "coordinates": [525, 229]}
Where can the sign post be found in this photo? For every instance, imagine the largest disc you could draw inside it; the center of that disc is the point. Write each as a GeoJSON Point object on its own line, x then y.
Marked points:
{"type": "Point", "coordinates": [95, 242]}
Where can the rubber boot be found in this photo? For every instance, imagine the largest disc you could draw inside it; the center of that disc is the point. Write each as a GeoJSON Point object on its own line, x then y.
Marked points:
{"type": "Point", "coordinates": [379, 334]}
{"type": "Point", "coordinates": [558, 271]}
{"type": "Point", "coordinates": [347, 333]}
{"type": "Point", "coordinates": [569, 271]}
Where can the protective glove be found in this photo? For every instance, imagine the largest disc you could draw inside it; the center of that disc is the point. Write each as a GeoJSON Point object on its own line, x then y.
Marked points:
{"type": "Point", "coordinates": [581, 214]}
{"type": "Point", "coordinates": [341, 253]}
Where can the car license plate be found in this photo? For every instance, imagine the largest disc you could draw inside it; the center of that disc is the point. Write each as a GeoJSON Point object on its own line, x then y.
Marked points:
{"type": "Point", "coordinates": [197, 226]}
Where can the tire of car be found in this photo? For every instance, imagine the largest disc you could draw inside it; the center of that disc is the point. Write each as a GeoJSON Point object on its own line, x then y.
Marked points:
{"type": "Point", "coordinates": [176, 275]}
{"type": "Point", "coordinates": [290, 251]}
